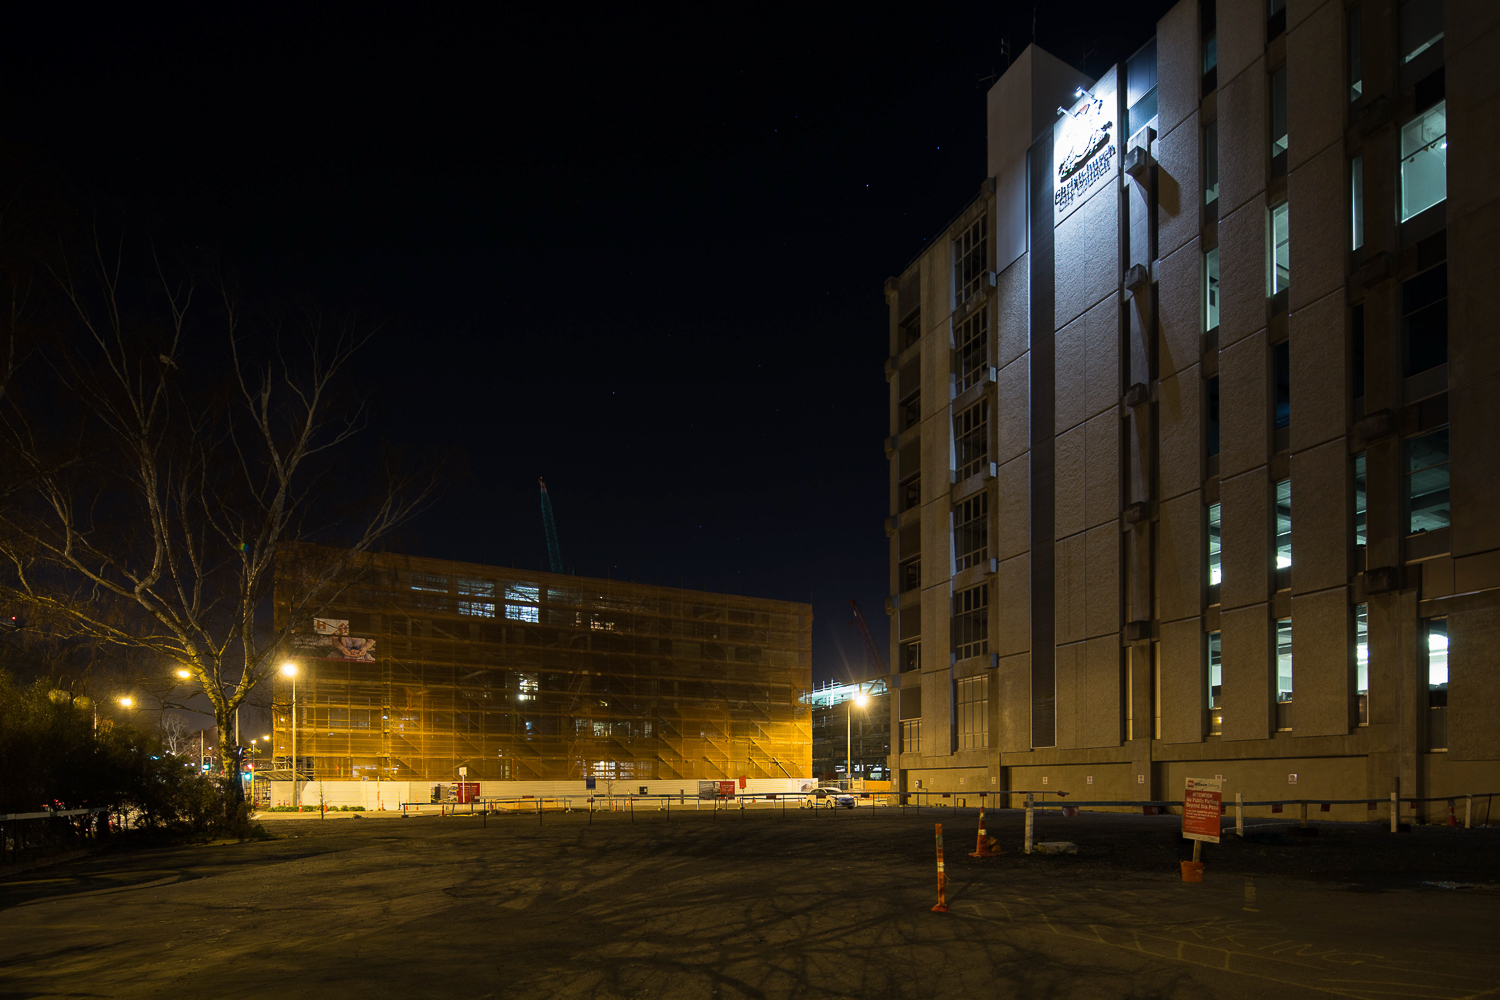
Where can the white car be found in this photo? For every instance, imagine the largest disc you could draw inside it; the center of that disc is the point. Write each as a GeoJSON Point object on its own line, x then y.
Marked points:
{"type": "Point", "coordinates": [829, 797]}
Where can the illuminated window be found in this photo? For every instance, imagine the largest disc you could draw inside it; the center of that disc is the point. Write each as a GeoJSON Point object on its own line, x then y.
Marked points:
{"type": "Point", "coordinates": [1281, 259]}
{"type": "Point", "coordinates": [1284, 674]}
{"type": "Point", "coordinates": [527, 687]}
{"type": "Point", "coordinates": [1215, 551]}
{"type": "Point", "coordinates": [972, 355]}
{"type": "Point", "coordinates": [971, 622]}
{"type": "Point", "coordinates": [1362, 661]}
{"type": "Point", "coordinates": [971, 531]}
{"type": "Point", "coordinates": [430, 591]}
{"type": "Point", "coordinates": [911, 736]}
{"type": "Point", "coordinates": [1278, 115]}
{"type": "Point", "coordinates": [911, 655]}
{"type": "Point", "coordinates": [973, 712]}
{"type": "Point", "coordinates": [970, 261]}
{"type": "Point", "coordinates": [1437, 683]}
{"type": "Point", "coordinates": [1360, 513]}
{"type": "Point", "coordinates": [1211, 289]}
{"type": "Point", "coordinates": [971, 437]}
{"type": "Point", "coordinates": [1424, 160]}
{"type": "Point", "coordinates": [476, 597]}
{"type": "Point", "coordinates": [1284, 524]}
{"type": "Point", "coordinates": [1427, 506]}
{"type": "Point", "coordinates": [1357, 201]}
{"type": "Point", "coordinates": [910, 574]}
{"type": "Point", "coordinates": [1215, 685]}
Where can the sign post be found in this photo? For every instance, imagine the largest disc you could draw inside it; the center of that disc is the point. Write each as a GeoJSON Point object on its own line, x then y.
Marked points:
{"type": "Point", "coordinates": [1200, 812]}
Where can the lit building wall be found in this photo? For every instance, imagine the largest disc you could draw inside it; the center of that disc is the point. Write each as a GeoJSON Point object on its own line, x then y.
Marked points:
{"type": "Point", "coordinates": [1190, 411]}
{"type": "Point", "coordinates": [430, 666]}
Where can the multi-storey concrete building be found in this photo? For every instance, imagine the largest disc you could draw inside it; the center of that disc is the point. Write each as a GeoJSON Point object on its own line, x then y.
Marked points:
{"type": "Point", "coordinates": [1193, 460]}
{"type": "Point", "coordinates": [851, 730]}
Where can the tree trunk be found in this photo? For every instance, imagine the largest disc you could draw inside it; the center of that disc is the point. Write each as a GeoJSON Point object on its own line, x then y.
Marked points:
{"type": "Point", "coordinates": [229, 757]}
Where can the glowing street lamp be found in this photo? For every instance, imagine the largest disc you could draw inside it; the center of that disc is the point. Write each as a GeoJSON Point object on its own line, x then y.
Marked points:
{"type": "Point", "coordinates": [184, 674]}
{"type": "Point", "coordinates": [126, 702]}
{"type": "Point", "coordinates": [861, 699]}
{"type": "Point", "coordinates": [289, 669]}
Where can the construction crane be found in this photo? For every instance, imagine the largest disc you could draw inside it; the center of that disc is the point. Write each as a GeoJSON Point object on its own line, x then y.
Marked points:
{"type": "Point", "coordinates": [554, 555]}
{"type": "Point", "coordinates": [870, 647]}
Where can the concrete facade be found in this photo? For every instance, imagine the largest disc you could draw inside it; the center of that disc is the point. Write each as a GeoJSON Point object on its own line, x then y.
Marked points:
{"type": "Point", "coordinates": [1195, 496]}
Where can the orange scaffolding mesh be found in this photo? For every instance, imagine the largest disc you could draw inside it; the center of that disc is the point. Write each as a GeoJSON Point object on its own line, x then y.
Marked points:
{"type": "Point", "coordinates": [429, 666]}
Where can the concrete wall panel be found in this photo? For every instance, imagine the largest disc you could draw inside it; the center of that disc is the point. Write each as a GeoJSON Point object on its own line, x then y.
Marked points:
{"type": "Point", "coordinates": [1013, 690]}
{"type": "Point", "coordinates": [1180, 309]}
{"type": "Point", "coordinates": [1102, 357]}
{"type": "Point", "coordinates": [1101, 473]}
{"type": "Point", "coordinates": [1012, 433]}
{"type": "Point", "coordinates": [1068, 458]}
{"type": "Point", "coordinates": [1245, 527]}
{"type": "Point", "coordinates": [1320, 373]}
{"type": "Point", "coordinates": [1013, 312]}
{"type": "Point", "coordinates": [1179, 192]}
{"type": "Point", "coordinates": [1070, 345]}
{"type": "Point", "coordinates": [1011, 534]}
{"type": "Point", "coordinates": [1101, 716]}
{"type": "Point", "coordinates": [1315, 74]}
{"type": "Point", "coordinates": [1010, 607]}
{"type": "Point", "coordinates": [1179, 67]}
{"type": "Point", "coordinates": [1088, 267]}
{"type": "Point", "coordinates": [1244, 405]}
{"type": "Point", "coordinates": [1179, 415]}
{"type": "Point", "coordinates": [1242, 36]}
{"type": "Point", "coordinates": [1321, 509]}
{"type": "Point", "coordinates": [1318, 222]}
{"type": "Point", "coordinates": [1242, 273]}
{"type": "Point", "coordinates": [1474, 409]}
{"type": "Point", "coordinates": [1244, 143]}
{"type": "Point", "coordinates": [1183, 674]}
{"type": "Point", "coordinates": [1101, 612]}
{"type": "Point", "coordinates": [1070, 560]}
{"type": "Point", "coordinates": [1071, 697]}
{"type": "Point", "coordinates": [1180, 569]}
{"type": "Point", "coordinates": [1249, 674]}
{"type": "Point", "coordinates": [1473, 685]}
{"type": "Point", "coordinates": [1322, 663]}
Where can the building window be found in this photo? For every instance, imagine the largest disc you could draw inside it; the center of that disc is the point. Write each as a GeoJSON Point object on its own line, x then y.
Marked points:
{"type": "Point", "coordinates": [970, 261]}
{"type": "Point", "coordinates": [910, 574]}
{"type": "Point", "coordinates": [971, 438]}
{"type": "Point", "coordinates": [1275, 18]}
{"type": "Point", "coordinates": [971, 533]}
{"type": "Point", "coordinates": [1281, 363]}
{"type": "Point", "coordinates": [973, 354]}
{"type": "Point", "coordinates": [1211, 290]}
{"type": "Point", "coordinates": [1215, 552]}
{"type": "Point", "coordinates": [1284, 674]}
{"type": "Point", "coordinates": [476, 597]}
{"type": "Point", "coordinates": [1424, 160]}
{"type": "Point", "coordinates": [1424, 320]}
{"type": "Point", "coordinates": [911, 655]}
{"type": "Point", "coordinates": [909, 472]}
{"type": "Point", "coordinates": [971, 622]}
{"type": "Point", "coordinates": [1361, 516]}
{"type": "Point", "coordinates": [909, 330]}
{"type": "Point", "coordinates": [430, 591]}
{"type": "Point", "coordinates": [911, 736]}
{"type": "Point", "coordinates": [1210, 49]}
{"type": "Point", "coordinates": [1215, 684]}
{"type": "Point", "coordinates": [1283, 526]}
{"type": "Point", "coordinates": [1362, 662]}
{"type": "Point", "coordinates": [1437, 683]}
{"type": "Point", "coordinates": [973, 712]}
{"type": "Point", "coordinates": [1211, 163]}
{"type": "Point", "coordinates": [1278, 121]}
{"type": "Point", "coordinates": [1421, 27]}
{"type": "Point", "coordinates": [1356, 73]}
{"type": "Point", "coordinates": [1357, 202]}
{"type": "Point", "coordinates": [1427, 482]}
{"type": "Point", "coordinates": [1211, 425]}
{"type": "Point", "coordinates": [1281, 260]}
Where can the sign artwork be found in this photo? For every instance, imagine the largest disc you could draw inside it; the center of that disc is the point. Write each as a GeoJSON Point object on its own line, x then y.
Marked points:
{"type": "Point", "coordinates": [1200, 809]}
{"type": "Point", "coordinates": [1086, 152]}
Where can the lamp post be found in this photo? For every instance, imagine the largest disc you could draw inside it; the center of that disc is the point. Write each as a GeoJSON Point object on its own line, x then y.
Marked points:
{"type": "Point", "coordinates": [861, 699]}
{"type": "Point", "coordinates": [289, 669]}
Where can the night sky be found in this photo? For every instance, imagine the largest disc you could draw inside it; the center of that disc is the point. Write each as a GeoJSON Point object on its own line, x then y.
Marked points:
{"type": "Point", "coordinates": [639, 253]}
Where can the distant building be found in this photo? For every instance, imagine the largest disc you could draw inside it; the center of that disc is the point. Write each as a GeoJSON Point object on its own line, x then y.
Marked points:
{"type": "Point", "coordinates": [840, 725]}
{"type": "Point", "coordinates": [431, 669]}
{"type": "Point", "coordinates": [1192, 420]}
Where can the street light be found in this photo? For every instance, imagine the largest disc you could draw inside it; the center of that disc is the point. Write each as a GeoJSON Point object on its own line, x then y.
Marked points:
{"type": "Point", "coordinates": [289, 669]}
{"type": "Point", "coordinates": [184, 674]}
{"type": "Point", "coordinates": [861, 699]}
{"type": "Point", "coordinates": [126, 702]}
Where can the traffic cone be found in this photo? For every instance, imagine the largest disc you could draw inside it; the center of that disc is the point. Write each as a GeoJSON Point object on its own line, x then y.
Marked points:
{"type": "Point", "coordinates": [942, 903]}
{"type": "Point", "coordinates": [984, 844]}
{"type": "Point", "coordinates": [1452, 819]}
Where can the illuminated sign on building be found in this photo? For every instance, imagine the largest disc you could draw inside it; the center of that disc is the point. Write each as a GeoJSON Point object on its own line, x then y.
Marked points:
{"type": "Point", "coordinates": [1086, 151]}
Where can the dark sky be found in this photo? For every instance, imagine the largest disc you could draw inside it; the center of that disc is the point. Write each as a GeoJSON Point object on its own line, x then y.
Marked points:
{"type": "Point", "coordinates": [638, 252]}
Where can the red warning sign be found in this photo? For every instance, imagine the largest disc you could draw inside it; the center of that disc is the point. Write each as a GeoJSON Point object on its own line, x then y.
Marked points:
{"type": "Point", "coordinates": [1200, 809]}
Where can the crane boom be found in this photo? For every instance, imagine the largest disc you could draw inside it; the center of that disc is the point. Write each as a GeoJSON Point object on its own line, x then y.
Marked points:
{"type": "Point", "coordinates": [864, 630]}
{"type": "Point", "coordinates": [554, 554]}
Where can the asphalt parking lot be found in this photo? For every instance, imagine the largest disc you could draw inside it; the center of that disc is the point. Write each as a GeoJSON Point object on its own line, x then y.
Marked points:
{"type": "Point", "coordinates": [827, 904]}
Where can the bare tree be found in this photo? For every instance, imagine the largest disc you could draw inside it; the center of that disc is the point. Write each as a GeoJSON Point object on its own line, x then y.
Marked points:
{"type": "Point", "coordinates": [162, 453]}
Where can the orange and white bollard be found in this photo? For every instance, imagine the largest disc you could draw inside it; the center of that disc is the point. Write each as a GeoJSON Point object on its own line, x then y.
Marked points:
{"type": "Point", "coordinates": [942, 903]}
{"type": "Point", "coordinates": [983, 843]}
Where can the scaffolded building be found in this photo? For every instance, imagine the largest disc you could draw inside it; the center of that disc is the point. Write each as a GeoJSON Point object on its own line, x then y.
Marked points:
{"type": "Point", "coordinates": [429, 667]}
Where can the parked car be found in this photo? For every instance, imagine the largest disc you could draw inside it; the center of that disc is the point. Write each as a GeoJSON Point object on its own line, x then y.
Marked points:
{"type": "Point", "coordinates": [829, 797]}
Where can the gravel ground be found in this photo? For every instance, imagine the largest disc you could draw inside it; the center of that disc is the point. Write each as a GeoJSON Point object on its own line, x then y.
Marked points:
{"type": "Point", "coordinates": [761, 905]}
